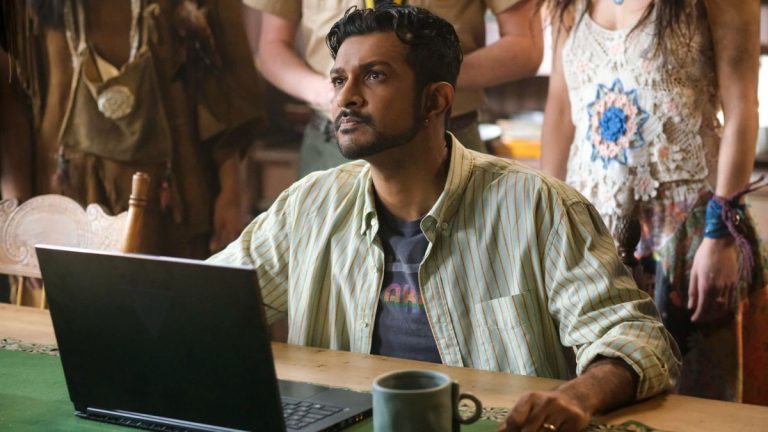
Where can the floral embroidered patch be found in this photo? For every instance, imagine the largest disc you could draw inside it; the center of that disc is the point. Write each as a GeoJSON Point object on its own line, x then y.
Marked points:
{"type": "Point", "coordinates": [645, 185]}
{"type": "Point", "coordinates": [615, 122]}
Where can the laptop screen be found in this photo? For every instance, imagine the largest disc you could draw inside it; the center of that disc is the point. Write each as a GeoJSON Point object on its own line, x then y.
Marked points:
{"type": "Point", "coordinates": [163, 337]}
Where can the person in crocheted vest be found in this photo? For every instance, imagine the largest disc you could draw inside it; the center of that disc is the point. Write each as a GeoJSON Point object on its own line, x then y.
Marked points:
{"type": "Point", "coordinates": [632, 122]}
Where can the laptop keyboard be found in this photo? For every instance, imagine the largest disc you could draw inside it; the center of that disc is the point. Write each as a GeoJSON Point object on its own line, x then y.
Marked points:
{"type": "Point", "coordinates": [299, 415]}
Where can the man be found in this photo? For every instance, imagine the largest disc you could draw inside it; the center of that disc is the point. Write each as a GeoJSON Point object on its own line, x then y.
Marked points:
{"type": "Point", "coordinates": [426, 250]}
{"type": "Point", "coordinates": [289, 25]}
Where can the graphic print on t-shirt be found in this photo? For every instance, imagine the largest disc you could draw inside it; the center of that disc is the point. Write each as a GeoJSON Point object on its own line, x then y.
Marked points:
{"type": "Point", "coordinates": [404, 297]}
{"type": "Point", "coordinates": [402, 328]}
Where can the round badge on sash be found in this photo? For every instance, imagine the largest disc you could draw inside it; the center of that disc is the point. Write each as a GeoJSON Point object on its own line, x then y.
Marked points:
{"type": "Point", "coordinates": [115, 102]}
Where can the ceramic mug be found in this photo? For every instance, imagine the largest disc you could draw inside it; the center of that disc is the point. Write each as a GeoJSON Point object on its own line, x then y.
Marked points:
{"type": "Point", "coordinates": [419, 401]}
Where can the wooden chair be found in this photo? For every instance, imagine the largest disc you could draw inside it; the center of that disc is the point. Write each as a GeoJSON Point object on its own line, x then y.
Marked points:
{"type": "Point", "coordinates": [58, 220]}
{"type": "Point", "coordinates": [136, 205]}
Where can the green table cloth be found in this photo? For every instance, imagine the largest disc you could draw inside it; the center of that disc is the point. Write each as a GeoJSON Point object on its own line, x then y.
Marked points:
{"type": "Point", "coordinates": [33, 397]}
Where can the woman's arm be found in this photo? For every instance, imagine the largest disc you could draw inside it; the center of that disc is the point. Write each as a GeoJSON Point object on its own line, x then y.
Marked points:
{"type": "Point", "coordinates": [557, 132]}
{"type": "Point", "coordinates": [735, 32]}
{"type": "Point", "coordinates": [735, 28]}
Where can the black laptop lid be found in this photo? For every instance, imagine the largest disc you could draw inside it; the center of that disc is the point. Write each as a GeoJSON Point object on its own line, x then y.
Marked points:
{"type": "Point", "coordinates": [162, 336]}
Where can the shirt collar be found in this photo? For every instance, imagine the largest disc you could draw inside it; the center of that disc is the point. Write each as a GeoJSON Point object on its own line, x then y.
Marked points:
{"type": "Point", "coordinates": [369, 201]}
{"type": "Point", "coordinates": [438, 218]}
{"type": "Point", "coordinates": [459, 171]}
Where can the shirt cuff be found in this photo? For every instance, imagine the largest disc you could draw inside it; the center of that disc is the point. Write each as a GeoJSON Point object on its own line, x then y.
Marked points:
{"type": "Point", "coordinates": [656, 372]}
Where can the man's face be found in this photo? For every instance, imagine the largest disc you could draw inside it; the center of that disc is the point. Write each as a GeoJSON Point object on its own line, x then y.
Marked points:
{"type": "Point", "coordinates": [374, 105]}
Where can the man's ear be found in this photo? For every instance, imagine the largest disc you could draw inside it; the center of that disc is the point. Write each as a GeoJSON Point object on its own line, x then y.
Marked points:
{"type": "Point", "coordinates": [438, 99]}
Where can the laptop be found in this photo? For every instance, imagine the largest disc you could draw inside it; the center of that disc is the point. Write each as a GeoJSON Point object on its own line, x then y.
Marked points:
{"type": "Point", "coordinates": [173, 344]}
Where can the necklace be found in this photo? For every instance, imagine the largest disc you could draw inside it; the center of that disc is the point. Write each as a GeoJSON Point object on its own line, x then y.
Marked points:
{"type": "Point", "coordinates": [618, 2]}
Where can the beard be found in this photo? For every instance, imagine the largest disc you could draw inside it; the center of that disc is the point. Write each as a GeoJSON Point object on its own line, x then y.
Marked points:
{"type": "Point", "coordinates": [380, 141]}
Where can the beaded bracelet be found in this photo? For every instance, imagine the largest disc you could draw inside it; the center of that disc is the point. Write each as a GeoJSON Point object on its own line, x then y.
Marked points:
{"type": "Point", "coordinates": [725, 215]}
{"type": "Point", "coordinates": [715, 225]}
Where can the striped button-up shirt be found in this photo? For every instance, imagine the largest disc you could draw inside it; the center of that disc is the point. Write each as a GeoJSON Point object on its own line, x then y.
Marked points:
{"type": "Point", "coordinates": [519, 270]}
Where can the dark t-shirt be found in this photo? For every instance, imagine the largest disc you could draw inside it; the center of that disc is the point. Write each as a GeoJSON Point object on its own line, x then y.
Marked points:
{"type": "Point", "coordinates": [402, 329]}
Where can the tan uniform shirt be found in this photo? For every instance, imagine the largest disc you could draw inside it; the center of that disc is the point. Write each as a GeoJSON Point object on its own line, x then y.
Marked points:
{"type": "Point", "coordinates": [317, 16]}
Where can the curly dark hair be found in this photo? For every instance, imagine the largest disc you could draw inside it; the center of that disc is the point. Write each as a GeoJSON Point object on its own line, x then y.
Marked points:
{"type": "Point", "coordinates": [434, 51]}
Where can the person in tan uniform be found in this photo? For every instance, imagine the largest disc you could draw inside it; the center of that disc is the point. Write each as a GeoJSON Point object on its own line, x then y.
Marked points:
{"type": "Point", "coordinates": [292, 56]}
{"type": "Point", "coordinates": [162, 86]}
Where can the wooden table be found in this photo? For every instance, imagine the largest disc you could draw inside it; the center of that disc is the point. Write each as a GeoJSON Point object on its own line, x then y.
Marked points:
{"type": "Point", "coordinates": [356, 371]}
{"type": "Point", "coordinates": [27, 324]}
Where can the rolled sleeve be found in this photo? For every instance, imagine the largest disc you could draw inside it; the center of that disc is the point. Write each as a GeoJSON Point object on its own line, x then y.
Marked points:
{"type": "Point", "coordinates": [498, 6]}
{"type": "Point", "coordinates": [644, 347]}
{"type": "Point", "coordinates": [265, 245]}
{"type": "Point", "coordinates": [600, 310]}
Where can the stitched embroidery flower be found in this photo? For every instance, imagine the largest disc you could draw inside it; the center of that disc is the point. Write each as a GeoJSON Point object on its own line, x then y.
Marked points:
{"type": "Point", "coordinates": [615, 122]}
{"type": "Point", "coordinates": [583, 65]}
{"type": "Point", "coordinates": [612, 195]}
{"type": "Point", "coordinates": [616, 47]}
{"type": "Point", "coordinates": [645, 185]}
{"type": "Point", "coordinates": [672, 109]}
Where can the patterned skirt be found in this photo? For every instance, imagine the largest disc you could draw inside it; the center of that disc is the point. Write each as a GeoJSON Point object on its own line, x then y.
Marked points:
{"type": "Point", "coordinates": [727, 359]}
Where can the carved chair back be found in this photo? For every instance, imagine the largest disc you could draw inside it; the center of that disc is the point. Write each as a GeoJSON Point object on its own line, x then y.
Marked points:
{"type": "Point", "coordinates": [59, 220]}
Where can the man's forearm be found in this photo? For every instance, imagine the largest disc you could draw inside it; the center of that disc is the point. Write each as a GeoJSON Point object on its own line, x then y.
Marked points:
{"type": "Point", "coordinates": [283, 67]}
{"type": "Point", "coordinates": [606, 384]}
{"type": "Point", "coordinates": [15, 162]}
{"type": "Point", "coordinates": [286, 71]}
{"type": "Point", "coordinates": [15, 145]}
{"type": "Point", "coordinates": [508, 59]}
{"type": "Point", "coordinates": [229, 176]}
{"type": "Point", "coordinates": [517, 54]}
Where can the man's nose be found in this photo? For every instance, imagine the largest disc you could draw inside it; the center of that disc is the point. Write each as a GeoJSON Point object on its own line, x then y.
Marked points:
{"type": "Point", "coordinates": [349, 95]}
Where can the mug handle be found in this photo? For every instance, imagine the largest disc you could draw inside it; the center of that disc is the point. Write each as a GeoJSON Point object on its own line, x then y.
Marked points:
{"type": "Point", "coordinates": [458, 397]}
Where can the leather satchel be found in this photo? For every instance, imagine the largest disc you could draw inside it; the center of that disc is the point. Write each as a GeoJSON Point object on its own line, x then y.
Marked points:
{"type": "Point", "coordinates": [115, 114]}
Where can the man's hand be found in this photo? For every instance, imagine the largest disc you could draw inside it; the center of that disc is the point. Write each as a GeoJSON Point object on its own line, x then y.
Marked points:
{"type": "Point", "coordinates": [712, 291]}
{"type": "Point", "coordinates": [606, 383]}
{"type": "Point", "coordinates": [320, 95]}
{"type": "Point", "coordinates": [543, 411]}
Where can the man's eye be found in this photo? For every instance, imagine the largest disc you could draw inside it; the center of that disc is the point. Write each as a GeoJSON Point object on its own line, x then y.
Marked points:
{"type": "Point", "coordinates": [337, 82]}
{"type": "Point", "coordinates": [373, 75]}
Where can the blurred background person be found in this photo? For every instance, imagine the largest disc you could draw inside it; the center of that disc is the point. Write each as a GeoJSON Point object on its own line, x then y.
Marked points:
{"type": "Point", "coordinates": [167, 87]}
{"type": "Point", "coordinates": [293, 57]}
{"type": "Point", "coordinates": [100, 90]}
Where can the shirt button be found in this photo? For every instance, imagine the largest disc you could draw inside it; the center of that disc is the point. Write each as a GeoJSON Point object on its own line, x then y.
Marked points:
{"type": "Point", "coordinates": [444, 226]}
{"type": "Point", "coordinates": [364, 324]}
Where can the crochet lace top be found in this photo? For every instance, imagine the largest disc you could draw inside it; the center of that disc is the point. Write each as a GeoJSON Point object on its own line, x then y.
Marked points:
{"type": "Point", "coordinates": [647, 134]}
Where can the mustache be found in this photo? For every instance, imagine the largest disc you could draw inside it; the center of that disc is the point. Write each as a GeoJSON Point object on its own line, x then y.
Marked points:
{"type": "Point", "coordinates": [353, 115]}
